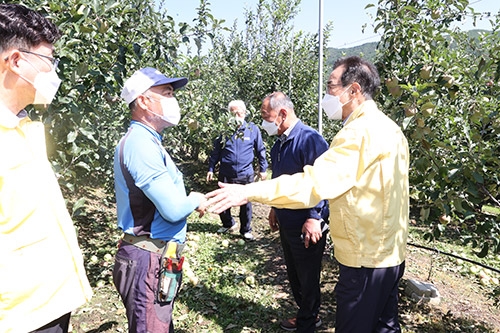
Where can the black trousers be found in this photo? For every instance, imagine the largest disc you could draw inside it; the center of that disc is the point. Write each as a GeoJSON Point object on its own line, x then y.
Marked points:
{"type": "Point", "coordinates": [245, 210]}
{"type": "Point", "coordinates": [304, 269]}
{"type": "Point", "coordinates": [60, 325]}
{"type": "Point", "coordinates": [367, 299]}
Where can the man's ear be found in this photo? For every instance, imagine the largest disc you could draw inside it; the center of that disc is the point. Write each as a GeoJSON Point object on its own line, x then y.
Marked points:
{"type": "Point", "coordinates": [284, 113]}
{"type": "Point", "coordinates": [140, 101]}
{"type": "Point", "coordinates": [12, 60]}
{"type": "Point", "coordinates": [355, 88]}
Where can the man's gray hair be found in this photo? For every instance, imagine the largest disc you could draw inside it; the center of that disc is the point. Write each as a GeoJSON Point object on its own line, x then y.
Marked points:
{"type": "Point", "coordinates": [237, 104]}
{"type": "Point", "coordinates": [279, 100]}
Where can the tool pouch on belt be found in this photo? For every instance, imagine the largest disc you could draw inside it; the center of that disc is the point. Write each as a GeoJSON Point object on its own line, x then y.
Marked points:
{"type": "Point", "coordinates": [170, 274]}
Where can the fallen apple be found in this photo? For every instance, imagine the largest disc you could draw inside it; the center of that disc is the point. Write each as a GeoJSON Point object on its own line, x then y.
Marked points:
{"type": "Point", "coordinates": [193, 280]}
{"type": "Point", "coordinates": [241, 242]}
{"type": "Point", "coordinates": [250, 280]}
{"type": "Point", "coordinates": [485, 281]}
{"type": "Point", "coordinates": [225, 243]}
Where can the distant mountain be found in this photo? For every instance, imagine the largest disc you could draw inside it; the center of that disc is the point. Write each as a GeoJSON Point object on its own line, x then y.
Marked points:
{"type": "Point", "coordinates": [367, 50]}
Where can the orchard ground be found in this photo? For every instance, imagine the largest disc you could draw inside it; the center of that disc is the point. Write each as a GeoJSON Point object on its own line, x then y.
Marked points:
{"type": "Point", "coordinates": [234, 287]}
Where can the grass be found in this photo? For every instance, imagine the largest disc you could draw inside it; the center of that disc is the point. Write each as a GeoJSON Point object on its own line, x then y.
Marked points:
{"type": "Point", "coordinates": [234, 287]}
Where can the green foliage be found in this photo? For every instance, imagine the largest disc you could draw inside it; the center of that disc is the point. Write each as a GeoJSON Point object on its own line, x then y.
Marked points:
{"type": "Point", "coordinates": [443, 87]}
{"type": "Point", "coordinates": [249, 64]}
{"type": "Point", "coordinates": [102, 43]}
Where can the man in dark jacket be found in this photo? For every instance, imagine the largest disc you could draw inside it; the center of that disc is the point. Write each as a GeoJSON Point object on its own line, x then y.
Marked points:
{"type": "Point", "coordinates": [235, 155]}
{"type": "Point", "coordinates": [298, 145]}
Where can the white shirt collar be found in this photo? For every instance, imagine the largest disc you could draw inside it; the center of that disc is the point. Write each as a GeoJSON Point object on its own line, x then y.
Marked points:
{"type": "Point", "coordinates": [289, 129]}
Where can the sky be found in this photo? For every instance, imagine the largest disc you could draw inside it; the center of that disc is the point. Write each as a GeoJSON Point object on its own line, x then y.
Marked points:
{"type": "Point", "coordinates": [347, 16]}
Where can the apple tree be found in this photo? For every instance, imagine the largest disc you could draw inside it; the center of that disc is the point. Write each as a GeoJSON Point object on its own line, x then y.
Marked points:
{"type": "Point", "coordinates": [442, 85]}
{"type": "Point", "coordinates": [102, 44]}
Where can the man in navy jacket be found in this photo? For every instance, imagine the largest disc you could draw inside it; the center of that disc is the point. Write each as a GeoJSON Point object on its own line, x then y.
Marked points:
{"type": "Point", "coordinates": [303, 232]}
{"type": "Point", "coordinates": [236, 155]}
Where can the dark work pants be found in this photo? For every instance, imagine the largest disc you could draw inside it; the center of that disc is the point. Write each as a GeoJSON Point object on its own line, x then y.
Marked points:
{"type": "Point", "coordinates": [367, 299]}
{"type": "Point", "coordinates": [245, 210]}
{"type": "Point", "coordinates": [135, 275]}
{"type": "Point", "coordinates": [304, 269]}
{"type": "Point", "coordinates": [60, 325]}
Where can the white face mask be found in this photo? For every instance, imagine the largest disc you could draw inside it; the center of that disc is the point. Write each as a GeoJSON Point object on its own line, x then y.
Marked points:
{"type": "Point", "coordinates": [270, 126]}
{"type": "Point", "coordinates": [171, 110]}
{"type": "Point", "coordinates": [46, 85]}
{"type": "Point", "coordinates": [332, 106]}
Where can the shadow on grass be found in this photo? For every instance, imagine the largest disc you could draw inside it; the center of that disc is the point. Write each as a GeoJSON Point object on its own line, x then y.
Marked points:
{"type": "Point", "coordinates": [234, 313]}
{"type": "Point", "coordinates": [104, 327]}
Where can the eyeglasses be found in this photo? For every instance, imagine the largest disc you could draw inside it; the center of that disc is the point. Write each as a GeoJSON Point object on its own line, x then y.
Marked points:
{"type": "Point", "coordinates": [53, 61]}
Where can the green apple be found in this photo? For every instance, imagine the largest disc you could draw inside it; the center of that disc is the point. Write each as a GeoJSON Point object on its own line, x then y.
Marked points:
{"type": "Point", "coordinates": [427, 109]}
{"type": "Point", "coordinates": [435, 14]}
{"type": "Point", "coordinates": [444, 219]}
{"type": "Point", "coordinates": [449, 80]}
{"type": "Point", "coordinates": [392, 82]}
{"type": "Point", "coordinates": [410, 111]}
{"type": "Point", "coordinates": [193, 124]}
{"type": "Point", "coordinates": [425, 72]}
{"type": "Point", "coordinates": [395, 91]}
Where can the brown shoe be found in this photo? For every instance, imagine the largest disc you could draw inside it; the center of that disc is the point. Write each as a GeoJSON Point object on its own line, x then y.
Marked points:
{"type": "Point", "coordinates": [290, 324]}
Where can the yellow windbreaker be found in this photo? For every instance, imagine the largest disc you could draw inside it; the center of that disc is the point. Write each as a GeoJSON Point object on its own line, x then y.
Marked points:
{"type": "Point", "coordinates": [364, 175]}
{"type": "Point", "coordinates": [42, 276]}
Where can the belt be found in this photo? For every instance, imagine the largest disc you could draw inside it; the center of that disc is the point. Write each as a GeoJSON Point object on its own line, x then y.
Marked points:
{"type": "Point", "coordinates": [146, 243]}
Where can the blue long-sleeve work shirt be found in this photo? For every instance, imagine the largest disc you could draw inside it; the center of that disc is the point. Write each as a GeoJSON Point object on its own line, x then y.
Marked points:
{"type": "Point", "coordinates": [150, 194]}
{"type": "Point", "coordinates": [289, 155]}
{"type": "Point", "coordinates": [236, 153]}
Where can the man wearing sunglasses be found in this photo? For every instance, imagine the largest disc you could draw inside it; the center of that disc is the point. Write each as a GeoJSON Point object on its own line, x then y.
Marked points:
{"type": "Point", "coordinates": [42, 277]}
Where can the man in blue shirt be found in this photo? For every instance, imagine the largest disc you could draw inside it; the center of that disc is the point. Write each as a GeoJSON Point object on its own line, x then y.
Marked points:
{"type": "Point", "coordinates": [151, 202]}
{"type": "Point", "coordinates": [303, 232]}
{"type": "Point", "coordinates": [236, 155]}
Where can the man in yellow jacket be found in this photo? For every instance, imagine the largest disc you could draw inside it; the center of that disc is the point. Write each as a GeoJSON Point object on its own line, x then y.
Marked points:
{"type": "Point", "coordinates": [364, 175]}
{"type": "Point", "coordinates": [42, 277]}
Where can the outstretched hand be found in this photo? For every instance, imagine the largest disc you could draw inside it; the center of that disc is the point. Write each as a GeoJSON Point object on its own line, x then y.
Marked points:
{"type": "Point", "coordinates": [229, 195]}
{"type": "Point", "coordinates": [202, 207]}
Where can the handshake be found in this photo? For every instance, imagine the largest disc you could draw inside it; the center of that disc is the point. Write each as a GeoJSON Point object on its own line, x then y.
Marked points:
{"type": "Point", "coordinates": [227, 196]}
